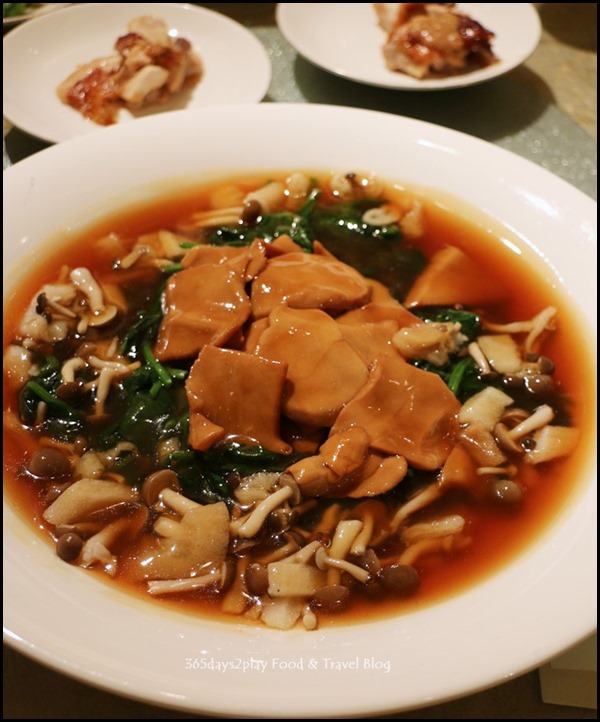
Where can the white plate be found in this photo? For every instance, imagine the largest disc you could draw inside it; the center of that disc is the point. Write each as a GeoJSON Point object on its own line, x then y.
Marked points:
{"type": "Point", "coordinates": [41, 9]}
{"type": "Point", "coordinates": [528, 612]}
{"type": "Point", "coordinates": [346, 40]}
{"type": "Point", "coordinates": [40, 54]}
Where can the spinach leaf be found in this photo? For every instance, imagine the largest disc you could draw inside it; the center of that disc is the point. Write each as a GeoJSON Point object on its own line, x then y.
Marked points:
{"type": "Point", "coordinates": [344, 220]}
{"type": "Point", "coordinates": [204, 476]}
{"type": "Point", "coordinates": [269, 227]}
{"type": "Point", "coordinates": [462, 376]}
{"type": "Point", "coordinates": [60, 420]}
{"type": "Point", "coordinates": [145, 327]}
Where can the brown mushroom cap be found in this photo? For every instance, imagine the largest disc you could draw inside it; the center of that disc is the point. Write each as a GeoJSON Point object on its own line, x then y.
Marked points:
{"type": "Point", "coordinates": [155, 483]}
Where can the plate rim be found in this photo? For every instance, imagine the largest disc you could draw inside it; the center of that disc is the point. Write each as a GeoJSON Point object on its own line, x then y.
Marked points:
{"type": "Point", "coordinates": [17, 116]}
{"type": "Point", "coordinates": [399, 81]}
{"type": "Point", "coordinates": [25, 168]}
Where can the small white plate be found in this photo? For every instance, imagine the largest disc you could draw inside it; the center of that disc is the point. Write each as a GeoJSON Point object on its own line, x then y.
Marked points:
{"type": "Point", "coordinates": [346, 40]}
{"type": "Point", "coordinates": [40, 54]}
{"type": "Point", "coordinates": [33, 12]}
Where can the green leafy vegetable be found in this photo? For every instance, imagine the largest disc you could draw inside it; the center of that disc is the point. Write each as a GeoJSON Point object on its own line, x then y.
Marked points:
{"type": "Point", "coordinates": [270, 226]}
{"type": "Point", "coordinates": [59, 420]}
{"type": "Point", "coordinates": [145, 327]}
{"type": "Point", "coordinates": [462, 376]}
{"type": "Point", "coordinates": [204, 476]}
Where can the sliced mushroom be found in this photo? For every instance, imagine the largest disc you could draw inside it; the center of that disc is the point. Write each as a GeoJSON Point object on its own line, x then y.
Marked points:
{"type": "Point", "coordinates": [282, 613]}
{"type": "Point", "coordinates": [289, 579]}
{"type": "Point", "coordinates": [552, 442]}
{"type": "Point", "coordinates": [434, 529]}
{"type": "Point", "coordinates": [199, 537]}
{"type": "Point", "coordinates": [502, 352]}
{"type": "Point", "coordinates": [485, 408]}
{"type": "Point", "coordinates": [85, 497]}
{"type": "Point", "coordinates": [481, 445]}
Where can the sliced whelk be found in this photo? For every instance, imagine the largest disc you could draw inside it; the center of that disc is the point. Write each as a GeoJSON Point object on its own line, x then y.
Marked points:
{"type": "Point", "coordinates": [247, 261]}
{"type": "Point", "coordinates": [370, 339]}
{"type": "Point", "coordinates": [205, 305]}
{"type": "Point", "coordinates": [305, 280]}
{"type": "Point", "coordinates": [406, 412]}
{"type": "Point", "coordinates": [232, 393]}
{"type": "Point", "coordinates": [323, 370]}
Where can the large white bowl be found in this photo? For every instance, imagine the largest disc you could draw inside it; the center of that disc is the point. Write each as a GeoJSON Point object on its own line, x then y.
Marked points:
{"type": "Point", "coordinates": [534, 608]}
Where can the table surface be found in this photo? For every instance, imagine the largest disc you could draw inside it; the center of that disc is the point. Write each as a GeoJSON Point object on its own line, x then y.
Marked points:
{"type": "Point", "coordinates": [544, 110]}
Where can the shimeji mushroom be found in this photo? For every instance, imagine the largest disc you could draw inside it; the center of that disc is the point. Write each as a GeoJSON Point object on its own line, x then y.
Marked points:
{"type": "Point", "coordinates": [345, 535]}
{"type": "Point", "coordinates": [37, 324]}
{"type": "Point", "coordinates": [289, 579]}
{"type": "Point", "coordinates": [545, 441]}
{"type": "Point", "coordinates": [351, 185]}
{"type": "Point", "coordinates": [336, 566]}
{"type": "Point", "coordinates": [420, 500]}
{"type": "Point", "coordinates": [269, 198]}
{"type": "Point", "coordinates": [481, 445]}
{"type": "Point", "coordinates": [434, 529]}
{"type": "Point", "coordinates": [250, 524]}
{"type": "Point", "coordinates": [213, 576]}
{"type": "Point", "coordinates": [295, 578]}
{"type": "Point", "coordinates": [425, 537]}
{"type": "Point", "coordinates": [367, 512]}
{"type": "Point", "coordinates": [290, 582]}
{"type": "Point", "coordinates": [198, 537]}
{"type": "Point", "coordinates": [297, 188]}
{"type": "Point", "coordinates": [159, 249]}
{"type": "Point", "coordinates": [545, 320]}
{"type": "Point", "coordinates": [18, 365]}
{"type": "Point", "coordinates": [254, 488]}
{"type": "Point", "coordinates": [479, 415]}
{"type": "Point", "coordinates": [99, 312]}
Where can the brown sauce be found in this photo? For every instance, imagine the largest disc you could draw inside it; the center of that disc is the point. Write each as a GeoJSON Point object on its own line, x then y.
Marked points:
{"type": "Point", "coordinates": [499, 535]}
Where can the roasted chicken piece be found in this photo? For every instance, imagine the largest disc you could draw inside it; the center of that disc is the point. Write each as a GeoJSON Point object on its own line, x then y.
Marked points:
{"type": "Point", "coordinates": [432, 40]}
{"type": "Point", "coordinates": [148, 68]}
